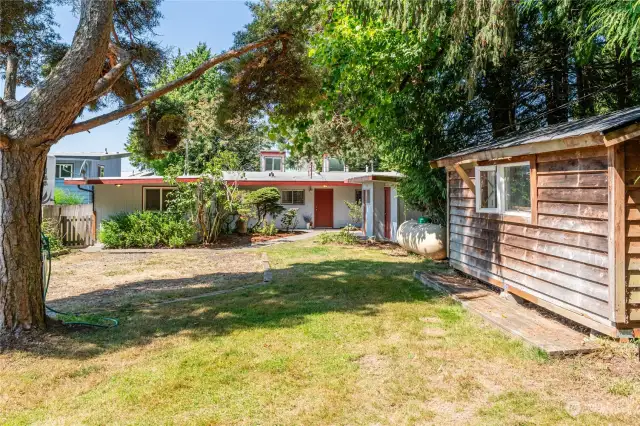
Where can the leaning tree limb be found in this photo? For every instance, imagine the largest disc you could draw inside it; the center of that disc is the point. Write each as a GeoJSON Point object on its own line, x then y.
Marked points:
{"type": "Point", "coordinates": [44, 114]}
{"type": "Point", "coordinates": [106, 82]}
{"type": "Point", "coordinates": [11, 71]}
{"type": "Point", "coordinates": [155, 94]}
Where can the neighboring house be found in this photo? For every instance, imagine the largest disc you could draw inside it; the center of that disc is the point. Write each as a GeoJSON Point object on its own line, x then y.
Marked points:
{"type": "Point", "coordinates": [320, 195]}
{"type": "Point", "coordinates": [553, 216]}
{"type": "Point", "coordinates": [85, 165]}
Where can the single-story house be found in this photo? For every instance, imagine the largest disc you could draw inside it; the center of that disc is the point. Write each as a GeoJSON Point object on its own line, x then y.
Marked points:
{"type": "Point", "coordinates": [84, 165]}
{"type": "Point", "coordinates": [320, 195]}
{"type": "Point", "coordinates": [553, 216]}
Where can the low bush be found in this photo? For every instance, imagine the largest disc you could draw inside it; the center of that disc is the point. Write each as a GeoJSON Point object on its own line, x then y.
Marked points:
{"type": "Point", "coordinates": [290, 219]}
{"type": "Point", "coordinates": [51, 232]}
{"type": "Point", "coordinates": [268, 229]}
{"type": "Point", "coordinates": [66, 198]}
{"type": "Point", "coordinates": [145, 230]}
{"type": "Point", "coordinates": [343, 237]}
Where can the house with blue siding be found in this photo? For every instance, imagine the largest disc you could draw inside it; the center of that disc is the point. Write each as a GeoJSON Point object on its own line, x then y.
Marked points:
{"type": "Point", "coordinates": [86, 165]}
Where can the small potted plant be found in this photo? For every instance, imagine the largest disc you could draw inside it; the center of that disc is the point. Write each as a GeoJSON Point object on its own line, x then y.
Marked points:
{"type": "Point", "coordinates": [308, 219]}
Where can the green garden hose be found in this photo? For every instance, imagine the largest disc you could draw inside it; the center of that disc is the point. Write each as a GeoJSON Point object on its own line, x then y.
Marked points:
{"type": "Point", "coordinates": [68, 318]}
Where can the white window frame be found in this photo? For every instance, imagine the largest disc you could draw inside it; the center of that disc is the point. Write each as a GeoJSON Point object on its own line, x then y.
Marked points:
{"type": "Point", "coordinates": [292, 203]}
{"type": "Point", "coordinates": [273, 158]}
{"type": "Point", "coordinates": [500, 186]}
{"type": "Point", "coordinates": [161, 188]}
{"type": "Point", "coordinates": [102, 169]}
{"type": "Point", "coordinates": [59, 166]}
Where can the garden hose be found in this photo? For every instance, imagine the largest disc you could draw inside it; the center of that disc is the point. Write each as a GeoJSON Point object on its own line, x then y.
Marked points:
{"type": "Point", "coordinates": [67, 318]}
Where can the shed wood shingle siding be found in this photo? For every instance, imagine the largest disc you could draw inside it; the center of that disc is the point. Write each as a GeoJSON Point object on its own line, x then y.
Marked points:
{"type": "Point", "coordinates": [561, 261]}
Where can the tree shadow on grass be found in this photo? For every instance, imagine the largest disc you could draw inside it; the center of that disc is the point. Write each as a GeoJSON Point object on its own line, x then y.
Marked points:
{"type": "Point", "coordinates": [353, 285]}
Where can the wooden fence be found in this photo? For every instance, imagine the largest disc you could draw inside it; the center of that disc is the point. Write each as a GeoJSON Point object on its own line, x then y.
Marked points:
{"type": "Point", "coordinates": [75, 224]}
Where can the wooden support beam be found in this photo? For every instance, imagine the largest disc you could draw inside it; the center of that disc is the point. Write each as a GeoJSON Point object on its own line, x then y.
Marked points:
{"type": "Point", "coordinates": [617, 234]}
{"type": "Point", "coordinates": [624, 134]}
{"type": "Point", "coordinates": [534, 189]}
{"type": "Point", "coordinates": [465, 177]}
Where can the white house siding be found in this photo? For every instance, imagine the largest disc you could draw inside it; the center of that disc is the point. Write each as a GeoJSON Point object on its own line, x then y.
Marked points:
{"type": "Point", "coordinates": [110, 199]}
{"type": "Point", "coordinates": [340, 209]}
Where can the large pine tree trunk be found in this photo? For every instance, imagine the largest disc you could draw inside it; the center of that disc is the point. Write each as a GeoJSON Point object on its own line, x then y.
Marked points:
{"type": "Point", "coordinates": [21, 301]}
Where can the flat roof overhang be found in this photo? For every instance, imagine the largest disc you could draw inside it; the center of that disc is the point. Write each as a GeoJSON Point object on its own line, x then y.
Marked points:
{"type": "Point", "coordinates": [373, 178]}
{"type": "Point", "coordinates": [159, 180]}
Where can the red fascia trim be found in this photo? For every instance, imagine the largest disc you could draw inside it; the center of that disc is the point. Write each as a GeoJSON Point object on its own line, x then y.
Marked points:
{"type": "Point", "coordinates": [273, 152]}
{"type": "Point", "coordinates": [132, 181]}
{"type": "Point", "coordinates": [292, 183]}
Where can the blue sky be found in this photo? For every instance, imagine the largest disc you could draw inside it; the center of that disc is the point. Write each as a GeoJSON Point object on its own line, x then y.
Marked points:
{"type": "Point", "coordinates": [185, 24]}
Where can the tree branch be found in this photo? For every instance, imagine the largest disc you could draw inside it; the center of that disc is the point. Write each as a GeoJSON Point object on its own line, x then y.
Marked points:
{"type": "Point", "coordinates": [43, 115]}
{"type": "Point", "coordinates": [11, 71]}
{"type": "Point", "coordinates": [148, 98]}
{"type": "Point", "coordinates": [106, 82]}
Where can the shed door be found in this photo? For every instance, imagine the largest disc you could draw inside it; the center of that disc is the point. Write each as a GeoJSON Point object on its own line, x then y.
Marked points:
{"type": "Point", "coordinates": [323, 211]}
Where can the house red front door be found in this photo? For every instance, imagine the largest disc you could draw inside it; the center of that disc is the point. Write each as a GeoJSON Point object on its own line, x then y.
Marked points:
{"type": "Point", "coordinates": [323, 210]}
{"type": "Point", "coordinates": [387, 212]}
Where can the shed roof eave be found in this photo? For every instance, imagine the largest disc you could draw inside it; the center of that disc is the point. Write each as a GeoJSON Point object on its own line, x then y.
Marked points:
{"type": "Point", "coordinates": [576, 142]}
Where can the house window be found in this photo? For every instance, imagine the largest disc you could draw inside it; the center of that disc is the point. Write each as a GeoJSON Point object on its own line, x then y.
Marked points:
{"type": "Point", "coordinates": [156, 199]}
{"type": "Point", "coordinates": [272, 164]}
{"type": "Point", "coordinates": [100, 171]}
{"type": "Point", "coordinates": [64, 170]}
{"type": "Point", "coordinates": [292, 197]}
{"type": "Point", "coordinates": [358, 196]}
{"type": "Point", "coordinates": [505, 188]}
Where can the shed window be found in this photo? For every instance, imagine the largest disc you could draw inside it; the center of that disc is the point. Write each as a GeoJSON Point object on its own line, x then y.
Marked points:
{"type": "Point", "coordinates": [505, 188]}
{"type": "Point", "coordinates": [100, 171]}
{"type": "Point", "coordinates": [64, 170]}
{"type": "Point", "coordinates": [292, 197]}
{"type": "Point", "coordinates": [358, 196]}
{"type": "Point", "coordinates": [272, 164]}
{"type": "Point", "coordinates": [156, 199]}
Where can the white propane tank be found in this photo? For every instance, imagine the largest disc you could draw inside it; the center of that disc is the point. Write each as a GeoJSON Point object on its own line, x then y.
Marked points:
{"type": "Point", "coordinates": [427, 239]}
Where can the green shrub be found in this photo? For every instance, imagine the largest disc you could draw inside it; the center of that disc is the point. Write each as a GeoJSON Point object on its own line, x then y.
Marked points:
{"type": "Point", "coordinates": [145, 230]}
{"type": "Point", "coordinates": [268, 229]}
{"type": "Point", "coordinates": [290, 219]}
{"type": "Point", "coordinates": [66, 198]}
{"type": "Point", "coordinates": [343, 237]}
{"type": "Point", "coordinates": [51, 232]}
{"type": "Point", "coordinates": [355, 211]}
{"type": "Point", "coordinates": [263, 202]}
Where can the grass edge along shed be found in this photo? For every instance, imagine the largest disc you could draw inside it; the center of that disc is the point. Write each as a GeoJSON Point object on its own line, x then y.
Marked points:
{"type": "Point", "coordinates": [569, 241]}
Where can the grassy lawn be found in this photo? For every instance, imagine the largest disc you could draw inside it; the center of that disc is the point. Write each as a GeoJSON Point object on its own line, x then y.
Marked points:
{"type": "Point", "coordinates": [344, 335]}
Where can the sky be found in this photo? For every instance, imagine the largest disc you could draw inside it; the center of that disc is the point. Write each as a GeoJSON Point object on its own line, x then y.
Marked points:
{"type": "Point", "coordinates": [185, 24]}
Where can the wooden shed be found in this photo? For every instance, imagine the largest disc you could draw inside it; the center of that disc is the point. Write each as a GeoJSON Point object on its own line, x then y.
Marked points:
{"type": "Point", "coordinates": [553, 216]}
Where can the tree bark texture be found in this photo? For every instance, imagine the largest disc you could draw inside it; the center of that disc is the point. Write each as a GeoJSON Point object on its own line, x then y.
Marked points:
{"type": "Point", "coordinates": [11, 75]}
{"type": "Point", "coordinates": [28, 128]}
{"type": "Point", "coordinates": [44, 114]}
{"type": "Point", "coordinates": [21, 302]}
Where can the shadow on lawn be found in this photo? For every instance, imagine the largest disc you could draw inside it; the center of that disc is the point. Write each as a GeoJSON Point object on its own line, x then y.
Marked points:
{"type": "Point", "coordinates": [356, 286]}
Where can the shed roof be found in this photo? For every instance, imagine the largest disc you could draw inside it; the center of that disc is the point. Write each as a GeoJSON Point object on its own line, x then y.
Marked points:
{"type": "Point", "coordinates": [574, 133]}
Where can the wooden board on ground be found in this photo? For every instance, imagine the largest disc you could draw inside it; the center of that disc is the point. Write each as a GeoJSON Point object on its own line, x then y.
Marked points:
{"type": "Point", "coordinates": [525, 323]}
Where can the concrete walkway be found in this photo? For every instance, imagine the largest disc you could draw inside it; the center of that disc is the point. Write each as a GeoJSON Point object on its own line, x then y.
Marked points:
{"type": "Point", "coordinates": [306, 234]}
